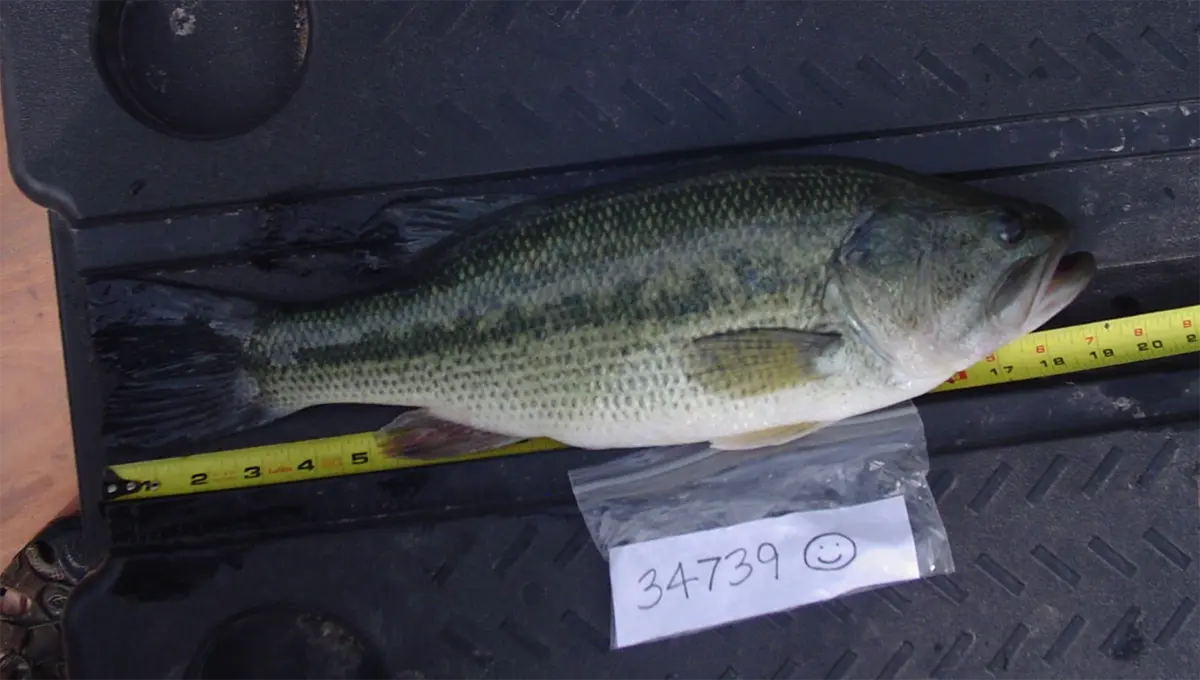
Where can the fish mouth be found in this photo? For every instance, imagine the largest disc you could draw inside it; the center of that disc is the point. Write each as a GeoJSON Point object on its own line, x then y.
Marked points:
{"type": "Point", "coordinates": [1036, 288]}
{"type": "Point", "coordinates": [1064, 277]}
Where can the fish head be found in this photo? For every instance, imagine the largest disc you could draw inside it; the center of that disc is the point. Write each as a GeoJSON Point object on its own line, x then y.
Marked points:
{"type": "Point", "coordinates": [935, 284]}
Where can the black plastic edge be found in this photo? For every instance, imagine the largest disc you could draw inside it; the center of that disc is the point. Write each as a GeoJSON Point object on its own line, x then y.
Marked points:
{"type": "Point", "coordinates": [83, 389]}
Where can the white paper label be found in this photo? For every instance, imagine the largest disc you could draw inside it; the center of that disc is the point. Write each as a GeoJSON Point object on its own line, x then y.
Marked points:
{"type": "Point", "coordinates": [686, 583]}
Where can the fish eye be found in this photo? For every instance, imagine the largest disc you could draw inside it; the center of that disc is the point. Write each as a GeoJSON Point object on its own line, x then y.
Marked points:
{"type": "Point", "coordinates": [1008, 228]}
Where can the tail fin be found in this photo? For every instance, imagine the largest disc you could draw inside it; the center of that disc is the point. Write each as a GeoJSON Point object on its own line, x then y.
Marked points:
{"type": "Point", "coordinates": [179, 357]}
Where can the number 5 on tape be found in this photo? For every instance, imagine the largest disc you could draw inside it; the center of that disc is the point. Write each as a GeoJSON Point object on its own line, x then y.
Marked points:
{"type": "Point", "coordinates": [687, 583]}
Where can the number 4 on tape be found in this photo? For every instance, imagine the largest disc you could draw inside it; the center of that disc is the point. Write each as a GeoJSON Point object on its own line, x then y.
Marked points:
{"type": "Point", "coordinates": [687, 583]}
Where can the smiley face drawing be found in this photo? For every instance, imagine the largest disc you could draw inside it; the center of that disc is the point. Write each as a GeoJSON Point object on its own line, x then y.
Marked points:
{"type": "Point", "coordinates": [830, 552]}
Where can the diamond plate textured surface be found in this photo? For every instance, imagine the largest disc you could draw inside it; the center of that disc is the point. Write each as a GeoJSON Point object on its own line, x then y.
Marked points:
{"type": "Point", "coordinates": [1076, 558]}
{"type": "Point", "coordinates": [398, 92]}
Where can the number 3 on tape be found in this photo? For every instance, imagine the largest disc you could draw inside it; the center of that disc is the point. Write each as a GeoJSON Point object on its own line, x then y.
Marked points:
{"type": "Point", "coordinates": [687, 583]}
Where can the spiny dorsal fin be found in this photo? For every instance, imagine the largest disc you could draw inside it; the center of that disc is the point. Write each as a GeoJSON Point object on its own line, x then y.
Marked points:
{"type": "Point", "coordinates": [420, 225]}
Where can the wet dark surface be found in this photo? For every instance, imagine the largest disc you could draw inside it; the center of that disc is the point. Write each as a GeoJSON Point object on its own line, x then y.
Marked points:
{"type": "Point", "coordinates": [1071, 556]}
{"type": "Point", "coordinates": [285, 641]}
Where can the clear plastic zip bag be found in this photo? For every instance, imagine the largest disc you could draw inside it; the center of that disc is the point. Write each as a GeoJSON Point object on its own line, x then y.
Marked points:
{"type": "Point", "coordinates": [687, 529]}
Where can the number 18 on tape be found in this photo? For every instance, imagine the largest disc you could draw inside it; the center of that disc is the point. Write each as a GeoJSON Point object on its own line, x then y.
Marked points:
{"type": "Point", "coordinates": [691, 582]}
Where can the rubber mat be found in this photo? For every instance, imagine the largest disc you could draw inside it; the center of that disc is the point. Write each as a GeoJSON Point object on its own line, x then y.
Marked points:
{"type": "Point", "coordinates": [1075, 558]}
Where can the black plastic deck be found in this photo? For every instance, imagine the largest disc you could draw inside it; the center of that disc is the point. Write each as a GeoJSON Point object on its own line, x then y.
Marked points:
{"type": "Point", "coordinates": [142, 134]}
{"type": "Point", "coordinates": [1076, 558]}
{"type": "Point", "coordinates": [397, 92]}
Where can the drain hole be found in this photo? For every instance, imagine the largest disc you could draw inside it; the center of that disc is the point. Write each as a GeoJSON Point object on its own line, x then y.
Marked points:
{"type": "Point", "coordinates": [202, 68]}
{"type": "Point", "coordinates": [46, 552]}
{"type": "Point", "coordinates": [286, 641]}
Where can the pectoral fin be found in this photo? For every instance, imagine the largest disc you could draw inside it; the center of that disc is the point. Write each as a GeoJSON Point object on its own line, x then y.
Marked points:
{"type": "Point", "coordinates": [757, 361]}
{"type": "Point", "coordinates": [423, 436]}
{"type": "Point", "coordinates": [764, 438]}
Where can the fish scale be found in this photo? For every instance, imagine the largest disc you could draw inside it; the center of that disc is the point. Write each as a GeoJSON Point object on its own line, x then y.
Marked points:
{"type": "Point", "coordinates": [707, 303]}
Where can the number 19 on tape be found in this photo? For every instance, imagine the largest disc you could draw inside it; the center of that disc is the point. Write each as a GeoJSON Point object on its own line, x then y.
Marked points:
{"type": "Point", "coordinates": [1078, 348]}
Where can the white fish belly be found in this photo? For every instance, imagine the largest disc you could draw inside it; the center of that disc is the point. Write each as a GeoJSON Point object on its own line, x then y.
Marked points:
{"type": "Point", "coordinates": [702, 419]}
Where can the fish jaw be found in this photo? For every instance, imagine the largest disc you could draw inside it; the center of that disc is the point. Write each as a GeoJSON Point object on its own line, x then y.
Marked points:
{"type": "Point", "coordinates": [1066, 277]}
{"type": "Point", "coordinates": [1061, 279]}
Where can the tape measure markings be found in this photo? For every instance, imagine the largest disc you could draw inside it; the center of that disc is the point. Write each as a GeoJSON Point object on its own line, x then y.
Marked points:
{"type": "Point", "coordinates": [1037, 355]}
{"type": "Point", "coordinates": [1085, 347]}
{"type": "Point", "coordinates": [277, 464]}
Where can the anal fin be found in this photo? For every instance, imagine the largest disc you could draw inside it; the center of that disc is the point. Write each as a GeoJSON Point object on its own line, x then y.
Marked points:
{"type": "Point", "coordinates": [764, 438]}
{"type": "Point", "coordinates": [422, 436]}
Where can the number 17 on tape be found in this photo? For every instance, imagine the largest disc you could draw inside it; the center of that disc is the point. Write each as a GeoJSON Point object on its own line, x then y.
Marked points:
{"type": "Point", "coordinates": [690, 582]}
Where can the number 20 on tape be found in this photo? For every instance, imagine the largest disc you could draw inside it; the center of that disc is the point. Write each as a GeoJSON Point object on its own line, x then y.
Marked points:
{"type": "Point", "coordinates": [1079, 348]}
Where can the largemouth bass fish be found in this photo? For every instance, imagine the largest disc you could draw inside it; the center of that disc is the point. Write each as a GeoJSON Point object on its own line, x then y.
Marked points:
{"type": "Point", "coordinates": [741, 303]}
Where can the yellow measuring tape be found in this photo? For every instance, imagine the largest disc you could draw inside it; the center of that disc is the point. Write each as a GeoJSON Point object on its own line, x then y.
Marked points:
{"type": "Point", "coordinates": [1036, 355]}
